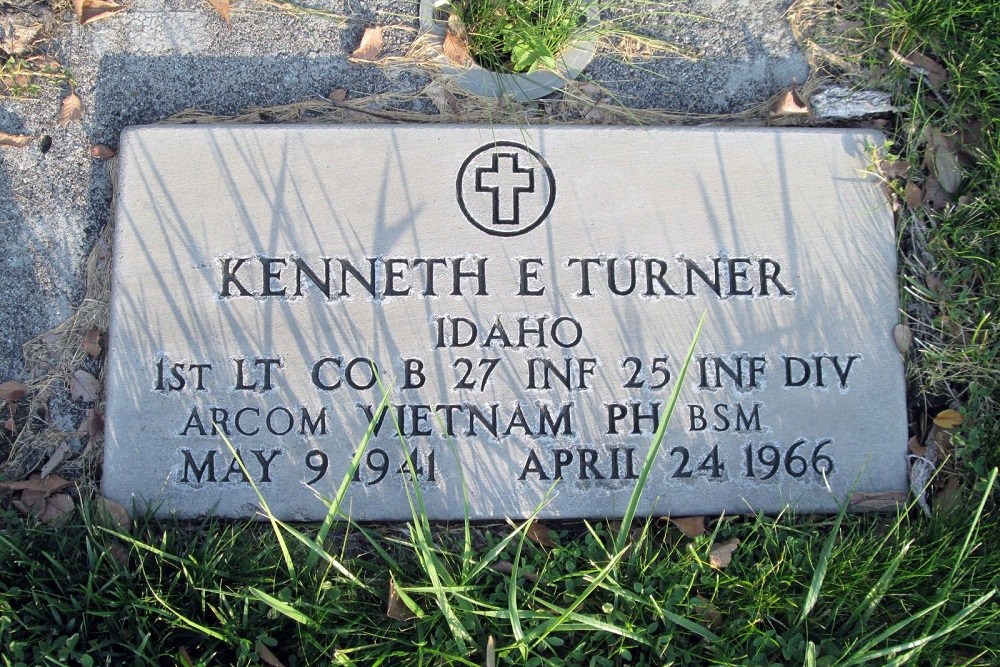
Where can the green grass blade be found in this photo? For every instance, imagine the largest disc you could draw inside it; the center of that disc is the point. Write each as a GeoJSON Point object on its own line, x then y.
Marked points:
{"type": "Point", "coordinates": [812, 595]}
{"type": "Point", "coordinates": [281, 607]}
{"type": "Point", "coordinates": [654, 447]}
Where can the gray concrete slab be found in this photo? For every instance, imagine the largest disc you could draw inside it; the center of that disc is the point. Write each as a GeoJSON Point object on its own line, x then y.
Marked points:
{"type": "Point", "coordinates": [528, 297]}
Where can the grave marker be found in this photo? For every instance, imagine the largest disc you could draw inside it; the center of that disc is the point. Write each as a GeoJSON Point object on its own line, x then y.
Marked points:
{"type": "Point", "coordinates": [525, 296]}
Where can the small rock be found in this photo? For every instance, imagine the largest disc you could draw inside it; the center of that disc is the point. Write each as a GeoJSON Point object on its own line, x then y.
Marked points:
{"type": "Point", "coordinates": [840, 103]}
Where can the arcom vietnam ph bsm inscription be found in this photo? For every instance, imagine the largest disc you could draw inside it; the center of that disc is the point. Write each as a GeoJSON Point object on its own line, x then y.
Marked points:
{"type": "Point", "coordinates": [276, 284]}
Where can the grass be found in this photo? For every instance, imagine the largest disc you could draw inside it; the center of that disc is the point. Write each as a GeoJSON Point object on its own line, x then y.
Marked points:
{"type": "Point", "coordinates": [893, 589]}
{"type": "Point", "coordinates": [522, 35]}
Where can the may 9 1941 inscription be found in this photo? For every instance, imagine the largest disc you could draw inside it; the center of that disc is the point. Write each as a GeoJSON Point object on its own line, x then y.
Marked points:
{"type": "Point", "coordinates": [522, 299]}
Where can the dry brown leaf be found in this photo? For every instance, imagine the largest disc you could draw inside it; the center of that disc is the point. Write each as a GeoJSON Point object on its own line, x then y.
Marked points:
{"type": "Point", "coordinates": [456, 49]}
{"type": "Point", "coordinates": [9, 424]}
{"type": "Point", "coordinates": [92, 343]}
{"type": "Point", "coordinates": [904, 338]}
{"type": "Point", "coordinates": [16, 40]}
{"type": "Point", "coordinates": [102, 152]}
{"type": "Point", "coordinates": [15, 140]}
{"type": "Point", "coordinates": [935, 284]}
{"type": "Point", "coordinates": [789, 104]}
{"type": "Point", "coordinates": [58, 456]}
{"type": "Point", "coordinates": [57, 508]}
{"type": "Point", "coordinates": [943, 159]}
{"type": "Point", "coordinates": [338, 95]}
{"type": "Point", "coordinates": [72, 109]}
{"type": "Point", "coordinates": [937, 75]}
{"type": "Point", "coordinates": [88, 11]}
{"type": "Point", "coordinates": [84, 387]}
{"type": "Point", "coordinates": [506, 567]}
{"type": "Point", "coordinates": [913, 195]}
{"type": "Point", "coordinates": [371, 44]}
{"type": "Point", "coordinates": [222, 8]}
{"type": "Point", "coordinates": [13, 391]}
{"type": "Point", "coordinates": [722, 554]}
{"type": "Point", "coordinates": [37, 484]}
{"type": "Point", "coordinates": [92, 424]}
{"type": "Point", "coordinates": [877, 501]}
{"type": "Point", "coordinates": [692, 526]}
{"type": "Point", "coordinates": [706, 610]}
{"type": "Point", "coordinates": [113, 516]}
{"type": "Point", "coordinates": [915, 447]}
{"type": "Point", "coordinates": [396, 608]}
{"type": "Point", "coordinates": [117, 551]}
{"type": "Point", "coordinates": [935, 196]}
{"type": "Point", "coordinates": [892, 169]}
{"type": "Point", "coordinates": [949, 418]}
{"type": "Point", "coordinates": [539, 534]}
{"type": "Point", "coordinates": [267, 657]}
{"type": "Point", "coordinates": [948, 496]}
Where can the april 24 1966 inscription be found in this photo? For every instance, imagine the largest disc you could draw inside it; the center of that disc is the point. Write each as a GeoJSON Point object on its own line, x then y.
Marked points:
{"type": "Point", "coordinates": [522, 298]}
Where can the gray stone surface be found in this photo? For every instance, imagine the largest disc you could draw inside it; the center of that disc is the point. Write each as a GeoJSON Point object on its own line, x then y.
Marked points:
{"type": "Point", "coordinates": [163, 56]}
{"type": "Point", "coordinates": [214, 223]}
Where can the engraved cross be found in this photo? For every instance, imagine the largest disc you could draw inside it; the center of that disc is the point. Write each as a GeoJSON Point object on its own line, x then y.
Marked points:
{"type": "Point", "coordinates": [507, 183]}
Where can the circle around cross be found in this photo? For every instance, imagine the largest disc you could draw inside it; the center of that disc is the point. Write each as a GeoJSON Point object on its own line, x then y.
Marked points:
{"type": "Point", "coordinates": [501, 177]}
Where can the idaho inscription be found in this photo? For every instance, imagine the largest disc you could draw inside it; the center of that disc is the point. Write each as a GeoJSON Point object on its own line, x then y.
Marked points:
{"type": "Point", "coordinates": [505, 311]}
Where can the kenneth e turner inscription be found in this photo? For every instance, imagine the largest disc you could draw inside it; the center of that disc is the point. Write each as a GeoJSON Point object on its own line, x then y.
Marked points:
{"type": "Point", "coordinates": [520, 301]}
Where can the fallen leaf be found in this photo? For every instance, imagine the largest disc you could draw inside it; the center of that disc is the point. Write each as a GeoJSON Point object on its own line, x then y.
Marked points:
{"type": "Point", "coordinates": [56, 459]}
{"type": "Point", "coordinates": [50, 510]}
{"type": "Point", "coordinates": [941, 437]}
{"type": "Point", "coordinates": [113, 516]}
{"type": "Point", "coordinates": [915, 447]}
{"type": "Point", "coordinates": [942, 157]}
{"type": "Point", "coordinates": [706, 610]}
{"type": "Point", "coordinates": [37, 484]}
{"type": "Point", "coordinates": [15, 140]}
{"type": "Point", "coordinates": [88, 11]}
{"type": "Point", "coordinates": [456, 49]}
{"type": "Point", "coordinates": [92, 424]}
{"type": "Point", "coordinates": [371, 44]}
{"type": "Point", "coordinates": [9, 424]}
{"type": "Point", "coordinates": [877, 501]}
{"type": "Point", "coordinates": [935, 284]}
{"type": "Point", "coordinates": [936, 75]}
{"type": "Point", "coordinates": [92, 343]}
{"type": "Point", "coordinates": [84, 387]}
{"type": "Point", "coordinates": [118, 552]}
{"type": "Point", "coordinates": [72, 109]}
{"type": "Point", "coordinates": [892, 169]}
{"type": "Point", "coordinates": [506, 567]}
{"type": "Point", "coordinates": [267, 657]}
{"type": "Point", "coordinates": [12, 391]}
{"type": "Point", "coordinates": [16, 40]}
{"type": "Point", "coordinates": [102, 152]}
{"type": "Point", "coordinates": [935, 196]}
{"type": "Point", "coordinates": [904, 338]}
{"type": "Point", "coordinates": [722, 554]}
{"type": "Point", "coordinates": [396, 608]}
{"type": "Point", "coordinates": [57, 508]}
{"type": "Point", "coordinates": [948, 496]}
{"type": "Point", "coordinates": [913, 195]}
{"type": "Point", "coordinates": [948, 418]}
{"type": "Point", "coordinates": [789, 104]}
{"type": "Point", "coordinates": [539, 534]}
{"type": "Point", "coordinates": [223, 9]}
{"type": "Point", "coordinates": [691, 526]}
{"type": "Point", "coordinates": [491, 652]}
{"type": "Point", "coordinates": [338, 95]}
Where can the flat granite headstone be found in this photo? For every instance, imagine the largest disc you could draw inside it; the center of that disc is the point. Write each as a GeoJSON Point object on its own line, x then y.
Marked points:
{"type": "Point", "coordinates": [522, 300]}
